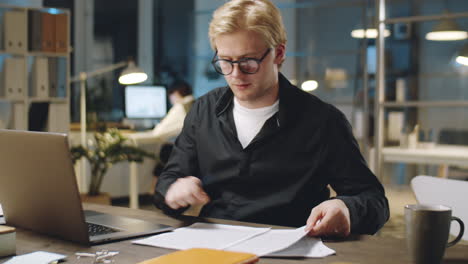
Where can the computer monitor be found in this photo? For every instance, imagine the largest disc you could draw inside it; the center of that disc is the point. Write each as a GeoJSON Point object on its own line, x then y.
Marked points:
{"type": "Point", "coordinates": [145, 102]}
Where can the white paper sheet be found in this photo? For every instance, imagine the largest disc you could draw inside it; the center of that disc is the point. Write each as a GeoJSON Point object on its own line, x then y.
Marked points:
{"type": "Point", "coordinates": [309, 247]}
{"type": "Point", "coordinates": [38, 257]}
{"type": "Point", "coordinates": [269, 242]}
{"type": "Point", "coordinates": [259, 241]}
{"type": "Point", "coordinates": [203, 235]}
{"type": "Point", "coordinates": [1, 211]}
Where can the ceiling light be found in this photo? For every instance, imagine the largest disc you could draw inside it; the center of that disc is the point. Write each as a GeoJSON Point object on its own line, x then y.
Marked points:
{"type": "Point", "coordinates": [446, 30]}
{"type": "Point", "coordinates": [462, 57]}
{"type": "Point", "coordinates": [309, 85]}
{"type": "Point", "coordinates": [370, 33]}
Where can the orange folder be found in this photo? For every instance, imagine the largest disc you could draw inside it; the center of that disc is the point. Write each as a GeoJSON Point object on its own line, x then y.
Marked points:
{"type": "Point", "coordinates": [48, 32]}
{"type": "Point", "coordinates": [203, 256]}
{"type": "Point", "coordinates": [61, 33]}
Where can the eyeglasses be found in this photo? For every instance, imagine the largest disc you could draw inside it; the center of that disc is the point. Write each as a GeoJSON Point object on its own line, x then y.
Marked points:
{"type": "Point", "coordinates": [246, 65]}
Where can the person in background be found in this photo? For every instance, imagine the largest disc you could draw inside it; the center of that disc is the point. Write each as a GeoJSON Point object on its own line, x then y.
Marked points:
{"type": "Point", "coordinates": [181, 98]}
{"type": "Point", "coordinates": [262, 150]}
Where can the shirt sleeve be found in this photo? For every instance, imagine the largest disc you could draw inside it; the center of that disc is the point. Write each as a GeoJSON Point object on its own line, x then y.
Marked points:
{"type": "Point", "coordinates": [351, 178]}
{"type": "Point", "coordinates": [171, 124]}
{"type": "Point", "coordinates": [182, 162]}
{"type": "Point", "coordinates": [169, 127]}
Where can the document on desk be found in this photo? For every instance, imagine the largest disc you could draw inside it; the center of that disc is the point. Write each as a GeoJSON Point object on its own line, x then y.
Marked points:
{"type": "Point", "coordinates": [258, 241]}
{"type": "Point", "coordinates": [203, 235]}
{"type": "Point", "coordinates": [38, 257]}
{"type": "Point", "coordinates": [309, 247]}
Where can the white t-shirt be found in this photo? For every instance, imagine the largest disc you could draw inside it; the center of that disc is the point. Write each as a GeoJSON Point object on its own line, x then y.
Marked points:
{"type": "Point", "coordinates": [250, 121]}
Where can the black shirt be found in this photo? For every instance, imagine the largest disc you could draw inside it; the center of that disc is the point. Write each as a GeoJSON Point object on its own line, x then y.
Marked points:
{"type": "Point", "coordinates": [284, 172]}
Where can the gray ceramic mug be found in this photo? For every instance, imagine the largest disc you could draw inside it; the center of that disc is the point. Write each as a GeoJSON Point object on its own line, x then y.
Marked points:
{"type": "Point", "coordinates": [427, 232]}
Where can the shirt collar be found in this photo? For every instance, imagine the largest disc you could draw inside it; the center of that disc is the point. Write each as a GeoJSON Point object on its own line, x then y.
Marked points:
{"type": "Point", "coordinates": [289, 96]}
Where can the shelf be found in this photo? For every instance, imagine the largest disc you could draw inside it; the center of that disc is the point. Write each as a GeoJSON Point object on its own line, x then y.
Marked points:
{"type": "Point", "coordinates": [426, 104]}
{"type": "Point", "coordinates": [41, 76]}
{"type": "Point", "coordinates": [425, 18]}
{"type": "Point", "coordinates": [48, 100]}
{"type": "Point", "coordinates": [35, 53]}
{"type": "Point", "coordinates": [9, 100]}
{"type": "Point", "coordinates": [46, 54]}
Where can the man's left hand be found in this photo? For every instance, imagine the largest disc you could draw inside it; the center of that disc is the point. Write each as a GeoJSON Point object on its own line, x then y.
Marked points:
{"type": "Point", "coordinates": [330, 218]}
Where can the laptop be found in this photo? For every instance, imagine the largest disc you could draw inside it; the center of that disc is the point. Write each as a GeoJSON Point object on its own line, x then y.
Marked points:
{"type": "Point", "coordinates": [38, 191]}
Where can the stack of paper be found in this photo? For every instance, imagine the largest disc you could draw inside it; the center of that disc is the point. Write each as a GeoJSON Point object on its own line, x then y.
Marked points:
{"type": "Point", "coordinates": [38, 257]}
{"type": "Point", "coordinates": [258, 241]}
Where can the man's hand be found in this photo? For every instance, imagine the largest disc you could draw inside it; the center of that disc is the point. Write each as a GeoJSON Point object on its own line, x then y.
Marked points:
{"type": "Point", "coordinates": [186, 191]}
{"type": "Point", "coordinates": [330, 218]}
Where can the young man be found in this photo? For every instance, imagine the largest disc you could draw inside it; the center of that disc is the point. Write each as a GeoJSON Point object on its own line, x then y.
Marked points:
{"type": "Point", "coordinates": [262, 150]}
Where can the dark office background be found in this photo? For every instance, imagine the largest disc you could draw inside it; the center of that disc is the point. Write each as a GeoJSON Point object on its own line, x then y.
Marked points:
{"type": "Point", "coordinates": [117, 20]}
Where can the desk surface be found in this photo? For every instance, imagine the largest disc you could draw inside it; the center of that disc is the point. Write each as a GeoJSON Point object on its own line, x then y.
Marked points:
{"type": "Point", "coordinates": [363, 249]}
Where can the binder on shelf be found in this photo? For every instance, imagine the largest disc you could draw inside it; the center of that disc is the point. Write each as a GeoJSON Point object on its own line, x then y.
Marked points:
{"type": "Point", "coordinates": [6, 116]}
{"type": "Point", "coordinates": [21, 73]}
{"type": "Point", "coordinates": [40, 78]}
{"type": "Point", "coordinates": [15, 78]}
{"type": "Point", "coordinates": [48, 32]}
{"type": "Point", "coordinates": [15, 30]}
{"type": "Point", "coordinates": [59, 119]}
{"type": "Point", "coordinates": [8, 78]}
{"type": "Point", "coordinates": [2, 77]}
{"type": "Point", "coordinates": [52, 74]}
{"type": "Point", "coordinates": [61, 33]}
{"type": "Point", "coordinates": [19, 117]}
{"type": "Point", "coordinates": [2, 29]}
{"type": "Point", "coordinates": [61, 77]}
{"type": "Point", "coordinates": [38, 114]}
{"type": "Point", "coordinates": [35, 30]}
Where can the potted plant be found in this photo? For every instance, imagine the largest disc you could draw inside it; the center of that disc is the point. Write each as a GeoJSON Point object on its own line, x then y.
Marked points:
{"type": "Point", "coordinates": [109, 148]}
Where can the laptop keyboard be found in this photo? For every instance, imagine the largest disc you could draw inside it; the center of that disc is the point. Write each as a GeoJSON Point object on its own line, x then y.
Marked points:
{"type": "Point", "coordinates": [95, 229]}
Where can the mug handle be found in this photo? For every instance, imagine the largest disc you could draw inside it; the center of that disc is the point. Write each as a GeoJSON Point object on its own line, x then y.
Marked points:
{"type": "Point", "coordinates": [460, 234]}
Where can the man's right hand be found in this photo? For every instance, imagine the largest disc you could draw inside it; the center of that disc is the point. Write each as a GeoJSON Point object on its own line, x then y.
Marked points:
{"type": "Point", "coordinates": [186, 191]}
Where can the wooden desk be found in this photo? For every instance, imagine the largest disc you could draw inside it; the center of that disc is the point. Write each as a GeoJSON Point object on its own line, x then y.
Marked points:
{"type": "Point", "coordinates": [363, 249]}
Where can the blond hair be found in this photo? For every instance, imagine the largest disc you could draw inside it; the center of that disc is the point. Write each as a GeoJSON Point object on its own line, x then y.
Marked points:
{"type": "Point", "coordinates": [259, 16]}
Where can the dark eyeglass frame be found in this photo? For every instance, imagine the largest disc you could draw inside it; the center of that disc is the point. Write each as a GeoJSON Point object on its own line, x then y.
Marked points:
{"type": "Point", "coordinates": [258, 61]}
